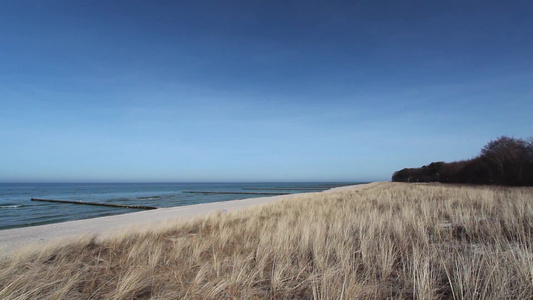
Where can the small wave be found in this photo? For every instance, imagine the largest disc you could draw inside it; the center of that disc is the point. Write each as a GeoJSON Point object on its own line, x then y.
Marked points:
{"type": "Point", "coordinates": [119, 199]}
{"type": "Point", "coordinates": [149, 198]}
{"type": "Point", "coordinates": [10, 206]}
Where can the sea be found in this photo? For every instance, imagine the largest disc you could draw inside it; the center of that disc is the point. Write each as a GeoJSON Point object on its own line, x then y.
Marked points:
{"type": "Point", "coordinates": [18, 210]}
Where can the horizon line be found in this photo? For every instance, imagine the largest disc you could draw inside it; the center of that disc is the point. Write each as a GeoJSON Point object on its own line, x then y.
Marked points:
{"type": "Point", "coordinates": [173, 182]}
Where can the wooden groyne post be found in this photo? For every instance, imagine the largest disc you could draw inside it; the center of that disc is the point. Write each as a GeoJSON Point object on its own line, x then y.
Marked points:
{"type": "Point", "coordinates": [95, 203]}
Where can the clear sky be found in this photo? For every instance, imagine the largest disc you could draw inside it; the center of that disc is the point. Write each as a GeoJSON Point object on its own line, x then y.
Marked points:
{"type": "Point", "coordinates": [257, 90]}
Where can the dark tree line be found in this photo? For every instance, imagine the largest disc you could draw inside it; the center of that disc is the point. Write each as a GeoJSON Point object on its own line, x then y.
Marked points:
{"type": "Point", "coordinates": [504, 161]}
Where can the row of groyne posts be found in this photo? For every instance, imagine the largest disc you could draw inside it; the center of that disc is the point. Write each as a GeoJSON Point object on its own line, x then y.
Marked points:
{"type": "Point", "coordinates": [187, 192]}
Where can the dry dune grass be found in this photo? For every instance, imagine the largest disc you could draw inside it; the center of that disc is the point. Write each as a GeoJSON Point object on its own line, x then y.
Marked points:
{"type": "Point", "coordinates": [389, 240]}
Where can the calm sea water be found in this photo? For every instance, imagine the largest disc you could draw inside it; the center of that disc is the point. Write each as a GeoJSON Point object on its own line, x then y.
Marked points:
{"type": "Point", "coordinates": [17, 209]}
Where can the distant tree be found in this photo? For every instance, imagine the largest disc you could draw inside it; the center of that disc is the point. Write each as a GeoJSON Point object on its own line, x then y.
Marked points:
{"type": "Point", "coordinates": [504, 161]}
{"type": "Point", "coordinates": [530, 150]}
{"type": "Point", "coordinates": [449, 172]}
{"type": "Point", "coordinates": [427, 173]}
{"type": "Point", "coordinates": [508, 159]}
{"type": "Point", "coordinates": [529, 173]}
{"type": "Point", "coordinates": [406, 175]}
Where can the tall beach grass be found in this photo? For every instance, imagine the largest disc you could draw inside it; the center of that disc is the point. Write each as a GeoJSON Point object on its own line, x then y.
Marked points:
{"type": "Point", "coordinates": [382, 241]}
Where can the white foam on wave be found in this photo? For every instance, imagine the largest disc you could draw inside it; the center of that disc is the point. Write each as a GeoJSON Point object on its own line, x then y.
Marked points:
{"type": "Point", "coordinates": [9, 206]}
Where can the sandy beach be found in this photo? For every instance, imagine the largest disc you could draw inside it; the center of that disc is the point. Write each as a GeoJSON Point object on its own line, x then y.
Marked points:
{"type": "Point", "coordinates": [11, 239]}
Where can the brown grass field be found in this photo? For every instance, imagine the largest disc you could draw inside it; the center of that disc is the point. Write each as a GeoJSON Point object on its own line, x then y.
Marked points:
{"type": "Point", "coordinates": [384, 241]}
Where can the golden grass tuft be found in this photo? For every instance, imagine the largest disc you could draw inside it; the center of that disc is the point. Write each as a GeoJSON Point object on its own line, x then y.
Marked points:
{"type": "Point", "coordinates": [389, 240]}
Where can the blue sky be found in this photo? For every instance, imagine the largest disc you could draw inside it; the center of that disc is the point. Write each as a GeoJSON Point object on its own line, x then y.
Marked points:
{"type": "Point", "coordinates": [257, 90]}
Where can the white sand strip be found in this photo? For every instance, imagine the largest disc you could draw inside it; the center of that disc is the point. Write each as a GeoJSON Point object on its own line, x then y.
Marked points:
{"type": "Point", "coordinates": [11, 239]}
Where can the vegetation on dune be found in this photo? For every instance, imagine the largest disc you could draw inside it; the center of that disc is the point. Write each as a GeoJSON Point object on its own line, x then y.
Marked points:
{"type": "Point", "coordinates": [385, 240]}
{"type": "Point", "coordinates": [504, 161]}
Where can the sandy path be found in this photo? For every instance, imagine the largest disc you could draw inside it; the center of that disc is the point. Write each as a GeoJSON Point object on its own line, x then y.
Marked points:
{"type": "Point", "coordinates": [11, 239]}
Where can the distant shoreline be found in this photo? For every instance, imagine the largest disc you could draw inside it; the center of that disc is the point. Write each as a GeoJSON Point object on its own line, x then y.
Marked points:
{"type": "Point", "coordinates": [19, 212]}
{"type": "Point", "coordinates": [11, 239]}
